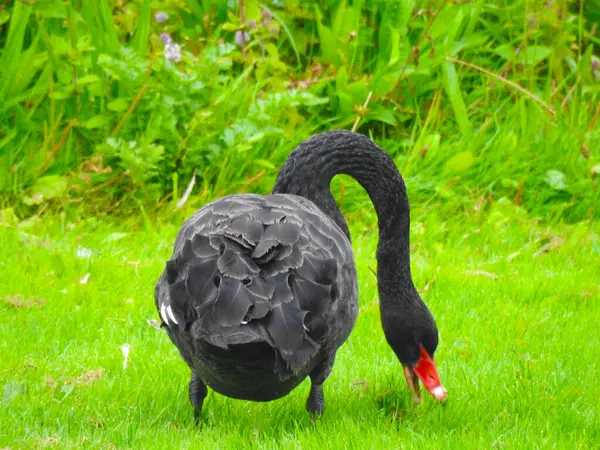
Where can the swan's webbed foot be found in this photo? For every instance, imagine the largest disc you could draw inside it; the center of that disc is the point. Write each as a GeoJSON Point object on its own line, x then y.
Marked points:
{"type": "Point", "coordinates": [315, 404]}
{"type": "Point", "coordinates": [197, 392]}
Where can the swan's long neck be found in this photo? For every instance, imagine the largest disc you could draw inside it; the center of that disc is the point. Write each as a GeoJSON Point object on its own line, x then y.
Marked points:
{"type": "Point", "coordinates": [308, 172]}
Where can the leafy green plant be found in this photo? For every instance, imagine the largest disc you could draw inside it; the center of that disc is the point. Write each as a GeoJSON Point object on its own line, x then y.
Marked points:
{"type": "Point", "coordinates": [465, 96]}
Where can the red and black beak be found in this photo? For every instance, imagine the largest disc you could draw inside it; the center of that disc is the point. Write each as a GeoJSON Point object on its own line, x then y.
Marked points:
{"type": "Point", "coordinates": [426, 371]}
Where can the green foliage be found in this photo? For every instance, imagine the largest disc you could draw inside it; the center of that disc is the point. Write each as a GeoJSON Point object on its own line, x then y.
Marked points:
{"type": "Point", "coordinates": [468, 97]}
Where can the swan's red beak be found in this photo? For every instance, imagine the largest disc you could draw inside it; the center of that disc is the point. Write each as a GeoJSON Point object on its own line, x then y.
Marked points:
{"type": "Point", "coordinates": [426, 371]}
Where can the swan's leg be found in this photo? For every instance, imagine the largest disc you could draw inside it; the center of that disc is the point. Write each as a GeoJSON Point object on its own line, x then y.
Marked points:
{"type": "Point", "coordinates": [197, 392]}
{"type": "Point", "coordinates": [316, 400]}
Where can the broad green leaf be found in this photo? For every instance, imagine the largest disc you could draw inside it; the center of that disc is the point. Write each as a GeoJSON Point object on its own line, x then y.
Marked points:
{"type": "Point", "coordinates": [51, 9]}
{"type": "Point", "coordinates": [383, 115]}
{"type": "Point", "coordinates": [62, 94]}
{"type": "Point", "coordinates": [345, 102]}
{"type": "Point", "coordinates": [406, 11]}
{"type": "Point", "coordinates": [452, 87]}
{"type": "Point", "coordinates": [4, 16]}
{"type": "Point", "coordinates": [232, 26]}
{"type": "Point", "coordinates": [98, 121]}
{"type": "Point", "coordinates": [395, 53]}
{"type": "Point", "coordinates": [46, 188]}
{"type": "Point", "coordinates": [327, 42]}
{"type": "Point", "coordinates": [119, 104]}
{"type": "Point", "coordinates": [359, 90]}
{"type": "Point", "coordinates": [444, 20]}
{"type": "Point", "coordinates": [533, 54]}
{"type": "Point", "coordinates": [341, 79]}
{"type": "Point", "coordinates": [252, 10]}
{"type": "Point", "coordinates": [460, 162]}
{"type": "Point", "coordinates": [384, 83]}
{"type": "Point", "coordinates": [88, 79]}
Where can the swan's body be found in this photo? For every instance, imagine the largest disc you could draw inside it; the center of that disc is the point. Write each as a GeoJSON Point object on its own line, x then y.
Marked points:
{"type": "Point", "coordinates": [281, 267]}
{"type": "Point", "coordinates": [261, 291]}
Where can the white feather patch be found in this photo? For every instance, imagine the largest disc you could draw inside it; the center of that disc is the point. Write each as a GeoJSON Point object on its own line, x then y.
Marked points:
{"type": "Point", "coordinates": [163, 313]}
{"type": "Point", "coordinates": [171, 315]}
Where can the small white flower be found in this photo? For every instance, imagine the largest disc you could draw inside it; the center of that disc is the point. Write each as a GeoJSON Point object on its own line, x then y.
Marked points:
{"type": "Point", "coordinates": [161, 17]}
{"type": "Point", "coordinates": [173, 52]}
{"type": "Point", "coordinates": [165, 38]}
{"type": "Point", "coordinates": [241, 38]}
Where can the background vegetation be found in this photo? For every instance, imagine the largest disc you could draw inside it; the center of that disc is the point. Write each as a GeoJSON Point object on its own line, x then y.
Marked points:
{"type": "Point", "coordinates": [476, 100]}
{"type": "Point", "coordinates": [111, 109]}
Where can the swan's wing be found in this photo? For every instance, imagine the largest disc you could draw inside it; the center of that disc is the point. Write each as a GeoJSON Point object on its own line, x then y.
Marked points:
{"type": "Point", "coordinates": [249, 268]}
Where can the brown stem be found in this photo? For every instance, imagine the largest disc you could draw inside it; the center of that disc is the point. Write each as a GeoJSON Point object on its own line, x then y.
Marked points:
{"type": "Point", "coordinates": [58, 145]}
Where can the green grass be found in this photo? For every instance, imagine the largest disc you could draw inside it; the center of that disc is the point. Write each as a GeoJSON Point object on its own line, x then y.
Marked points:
{"type": "Point", "coordinates": [516, 302]}
{"type": "Point", "coordinates": [491, 112]}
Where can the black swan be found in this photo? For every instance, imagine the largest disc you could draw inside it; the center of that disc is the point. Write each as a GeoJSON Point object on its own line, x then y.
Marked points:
{"type": "Point", "coordinates": [261, 291]}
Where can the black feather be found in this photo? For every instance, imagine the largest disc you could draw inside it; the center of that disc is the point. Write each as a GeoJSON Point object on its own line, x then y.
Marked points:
{"type": "Point", "coordinates": [285, 325]}
{"type": "Point", "coordinates": [201, 246]}
{"type": "Point", "coordinates": [283, 293]}
{"type": "Point", "coordinates": [311, 296]}
{"type": "Point", "coordinates": [244, 335]}
{"type": "Point", "coordinates": [291, 261]}
{"type": "Point", "coordinates": [258, 310]}
{"type": "Point", "coordinates": [268, 255]}
{"type": "Point", "coordinates": [240, 242]}
{"type": "Point", "coordinates": [283, 232]}
{"type": "Point", "coordinates": [248, 228]}
{"type": "Point", "coordinates": [229, 206]}
{"type": "Point", "coordinates": [200, 281]}
{"type": "Point", "coordinates": [320, 270]}
{"type": "Point", "coordinates": [319, 239]}
{"type": "Point", "coordinates": [261, 288]}
{"type": "Point", "coordinates": [283, 251]}
{"type": "Point", "coordinates": [172, 270]}
{"type": "Point", "coordinates": [181, 304]}
{"type": "Point", "coordinates": [267, 217]}
{"type": "Point", "coordinates": [187, 252]}
{"type": "Point", "coordinates": [263, 247]}
{"type": "Point", "coordinates": [237, 265]}
{"type": "Point", "coordinates": [298, 358]}
{"type": "Point", "coordinates": [316, 326]}
{"type": "Point", "coordinates": [232, 304]}
{"type": "Point", "coordinates": [208, 330]}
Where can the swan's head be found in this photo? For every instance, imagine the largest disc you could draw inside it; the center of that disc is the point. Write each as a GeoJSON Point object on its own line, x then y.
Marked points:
{"type": "Point", "coordinates": [413, 336]}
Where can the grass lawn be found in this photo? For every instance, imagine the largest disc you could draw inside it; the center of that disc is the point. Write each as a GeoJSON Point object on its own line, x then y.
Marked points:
{"type": "Point", "coordinates": [516, 303]}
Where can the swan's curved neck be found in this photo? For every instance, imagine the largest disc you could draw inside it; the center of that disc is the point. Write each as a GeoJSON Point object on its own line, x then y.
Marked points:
{"type": "Point", "coordinates": [308, 172]}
